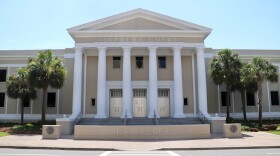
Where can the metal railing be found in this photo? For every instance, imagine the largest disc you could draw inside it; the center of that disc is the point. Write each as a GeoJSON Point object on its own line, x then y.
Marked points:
{"type": "Point", "coordinates": [77, 119]}
{"type": "Point", "coordinates": [125, 118]}
{"type": "Point", "coordinates": [155, 118]}
{"type": "Point", "coordinates": [202, 117]}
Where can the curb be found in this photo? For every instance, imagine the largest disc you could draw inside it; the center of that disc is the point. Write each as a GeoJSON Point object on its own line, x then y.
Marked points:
{"type": "Point", "coordinates": [160, 149]}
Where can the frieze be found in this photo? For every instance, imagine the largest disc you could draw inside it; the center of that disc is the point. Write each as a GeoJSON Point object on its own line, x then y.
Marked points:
{"type": "Point", "coordinates": [139, 39]}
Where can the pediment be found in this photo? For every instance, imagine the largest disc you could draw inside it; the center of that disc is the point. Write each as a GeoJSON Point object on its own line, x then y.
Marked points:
{"type": "Point", "coordinates": [137, 24]}
{"type": "Point", "coordinates": [138, 21]}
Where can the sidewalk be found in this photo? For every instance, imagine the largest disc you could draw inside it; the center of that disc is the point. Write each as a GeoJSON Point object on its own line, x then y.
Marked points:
{"type": "Point", "coordinates": [249, 140]}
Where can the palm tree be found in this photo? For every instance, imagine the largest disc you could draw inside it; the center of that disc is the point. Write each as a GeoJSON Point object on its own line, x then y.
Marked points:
{"type": "Point", "coordinates": [19, 87]}
{"type": "Point", "coordinates": [242, 87]}
{"type": "Point", "coordinates": [44, 71]}
{"type": "Point", "coordinates": [225, 69]}
{"type": "Point", "coordinates": [258, 71]}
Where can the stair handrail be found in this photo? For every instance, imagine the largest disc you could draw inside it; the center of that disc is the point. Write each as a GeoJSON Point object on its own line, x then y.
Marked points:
{"type": "Point", "coordinates": [77, 119]}
{"type": "Point", "coordinates": [202, 117]}
{"type": "Point", "coordinates": [125, 118]}
{"type": "Point", "coordinates": [155, 118]}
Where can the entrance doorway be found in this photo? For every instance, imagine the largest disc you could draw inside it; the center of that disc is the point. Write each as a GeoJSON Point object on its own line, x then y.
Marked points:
{"type": "Point", "coordinates": [115, 103]}
{"type": "Point", "coordinates": [139, 103]}
{"type": "Point", "coordinates": [163, 103]}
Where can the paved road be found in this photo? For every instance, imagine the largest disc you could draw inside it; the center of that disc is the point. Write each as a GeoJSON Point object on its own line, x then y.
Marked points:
{"type": "Point", "coordinates": [239, 152]}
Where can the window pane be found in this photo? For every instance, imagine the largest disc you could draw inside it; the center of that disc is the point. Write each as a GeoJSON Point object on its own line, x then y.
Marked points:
{"type": "Point", "coordinates": [250, 98]}
{"type": "Point", "coordinates": [185, 101]}
{"type": "Point", "coordinates": [139, 62]}
{"type": "Point", "coordinates": [274, 98]}
{"type": "Point", "coordinates": [224, 98]}
{"type": "Point", "coordinates": [162, 62]}
{"type": "Point", "coordinates": [3, 75]}
{"type": "Point", "coordinates": [2, 99]}
{"type": "Point", "coordinates": [26, 103]}
{"type": "Point", "coordinates": [51, 99]}
{"type": "Point", "coordinates": [93, 102]}
{"type": "Point", "coordinates": [116, 62]}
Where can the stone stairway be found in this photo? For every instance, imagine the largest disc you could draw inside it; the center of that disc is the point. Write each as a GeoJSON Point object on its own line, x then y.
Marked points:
{"type": "Point", "coordinates": [140, 121]}
{"type": "Point", "coordinates": [107, 121]}
{"type": "Point", "coordinates": [179, 121]}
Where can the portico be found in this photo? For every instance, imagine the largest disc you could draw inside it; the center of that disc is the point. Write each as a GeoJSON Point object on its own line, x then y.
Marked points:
{"type": "Point", "coordinates": [127, 85]}
{"type": "Point", "coordinates": [161, 87]}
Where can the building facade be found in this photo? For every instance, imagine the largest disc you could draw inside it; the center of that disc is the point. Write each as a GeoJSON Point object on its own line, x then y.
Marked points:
{"type": "Point", "coordinates": [137, 64]}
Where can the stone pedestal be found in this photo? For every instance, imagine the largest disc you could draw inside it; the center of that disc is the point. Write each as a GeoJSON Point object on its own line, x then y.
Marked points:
{"type": "Point", "coordinates": [51, 132]}
{"type": "Point", "coordinates": [66, 125]}
{"type": "Point", "coordinates": [232, 130]}
{"type": "Point", "coordinates": [217, 124]}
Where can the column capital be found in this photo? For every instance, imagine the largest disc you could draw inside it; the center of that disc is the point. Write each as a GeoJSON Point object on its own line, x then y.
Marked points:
{"type": "Point", "coordinates": [177, 48]}
{"type": "Point", "coordinates": [126, 48]}
{"type": "Point", "coordinates": [200, 49]}
{"type": "Point", "coordinates": [79, 49]}
{"type": "Point", "coordinates": [152, 48]}
{"type": "Point", "coordinates": [101, 48]}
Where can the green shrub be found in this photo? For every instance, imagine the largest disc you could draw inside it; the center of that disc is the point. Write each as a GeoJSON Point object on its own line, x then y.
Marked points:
{"type": "Point", "coordinates": [245, 128]}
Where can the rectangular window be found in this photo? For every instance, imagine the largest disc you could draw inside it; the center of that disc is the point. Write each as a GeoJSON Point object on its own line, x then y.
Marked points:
{"type": "Point", "coordinates": [26, 103]}
{"type": "Point", "coordinates": [93, 101]}
{"type": "Point", "coordinates": [51, 99]}
{"type": "Point", "coordinates": [224, 98]}
{"type": "Point", "coordinates": [185, 101]}
{"type": "Point", "coordinates": [250, 96]}
{"type": "Point", "coordinates": [139, 62]}
{"type": "Point", "coordinates": [274, 98]}
{"type": "Point", "coordinates": [3, 75]}
{"type": "Point", "coordinates": [139, 93]}
{"type": "Point", "coordinates": [162, 62]}
{"type": "Point", "coordinates": [2, 99]}
{"type": "Point", "coordinates": [116, 62]}
{"type": "Point", "coordinates": [116, 93]}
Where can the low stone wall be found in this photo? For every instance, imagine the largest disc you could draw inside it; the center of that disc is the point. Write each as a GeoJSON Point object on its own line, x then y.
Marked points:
{"type": "Point", "coordinates": [51, 132]}
{"type": "Point", "coordinates": [200, 131]}
{"type": "Point", "coordinates": [232, 130]}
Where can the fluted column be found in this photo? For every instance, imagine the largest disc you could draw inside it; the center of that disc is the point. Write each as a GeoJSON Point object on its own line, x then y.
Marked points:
{"type": "Point", "coordinates": [101, 83]}
{"type": "Point", "coordinates": [153, 89]}
{"type": "Point", "coordinates": [201, 81]}
{"type": "Point", "coordinates": [126, 84]}
{"type": "Point", "coordinates": [178, 83]}
{"type": "Point", "coordinates": [77, 83]}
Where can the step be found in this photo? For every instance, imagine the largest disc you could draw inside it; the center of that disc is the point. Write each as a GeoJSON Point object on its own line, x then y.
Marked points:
{"type": "Point", "coordinates": [139, 121]}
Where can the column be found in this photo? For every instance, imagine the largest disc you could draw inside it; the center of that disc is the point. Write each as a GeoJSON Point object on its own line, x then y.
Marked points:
{"type": "Point", "coordinates": [126, 83]}
{"type": "Point", "coordinates": [153, 89]}
{"type": "Point", "coordinates": [77, 83]}
{"type": "Point", "coordinates": [178, 83]}
{"type": "Point", "coordinates": [201, 81]}
{"type": "Point", "coordinates": [101, 83]}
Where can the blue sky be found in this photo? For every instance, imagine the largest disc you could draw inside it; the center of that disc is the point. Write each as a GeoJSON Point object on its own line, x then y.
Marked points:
{"type": "Point", "coordinates": [236, 24]}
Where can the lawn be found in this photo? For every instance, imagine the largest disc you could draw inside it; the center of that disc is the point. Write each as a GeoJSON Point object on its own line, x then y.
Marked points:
{"type": "Point", "coordinates": [2, 134]}
{"type": "Point", "coordinates": [277, 132]}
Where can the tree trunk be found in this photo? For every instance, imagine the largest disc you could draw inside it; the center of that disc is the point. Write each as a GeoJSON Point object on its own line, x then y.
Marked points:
{"type": "Point", "coordinates": [43, 117]}
{"type": "Point", "coordinates": [22, 111]}
{"type": "Point", "coordinates": [260, 104]}
{"type": "Point", "coordinates": [243, 105]}
{"type": "Point", "coordinates": [228, 105]}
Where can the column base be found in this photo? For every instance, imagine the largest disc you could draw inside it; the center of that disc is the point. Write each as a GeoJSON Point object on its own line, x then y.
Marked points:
{"type": "Point", "coordinates": [127, 116]}
{"type": "Point", "coordinates": [153, 116]}
{"type": "Point", "coordinates": [179, 116]}
{"type": "Point", "coordinates": [100, 116]}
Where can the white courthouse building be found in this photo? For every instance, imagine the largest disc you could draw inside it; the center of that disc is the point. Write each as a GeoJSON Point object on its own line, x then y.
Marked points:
{"type": "Point", "coordinates": [137, 64]}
